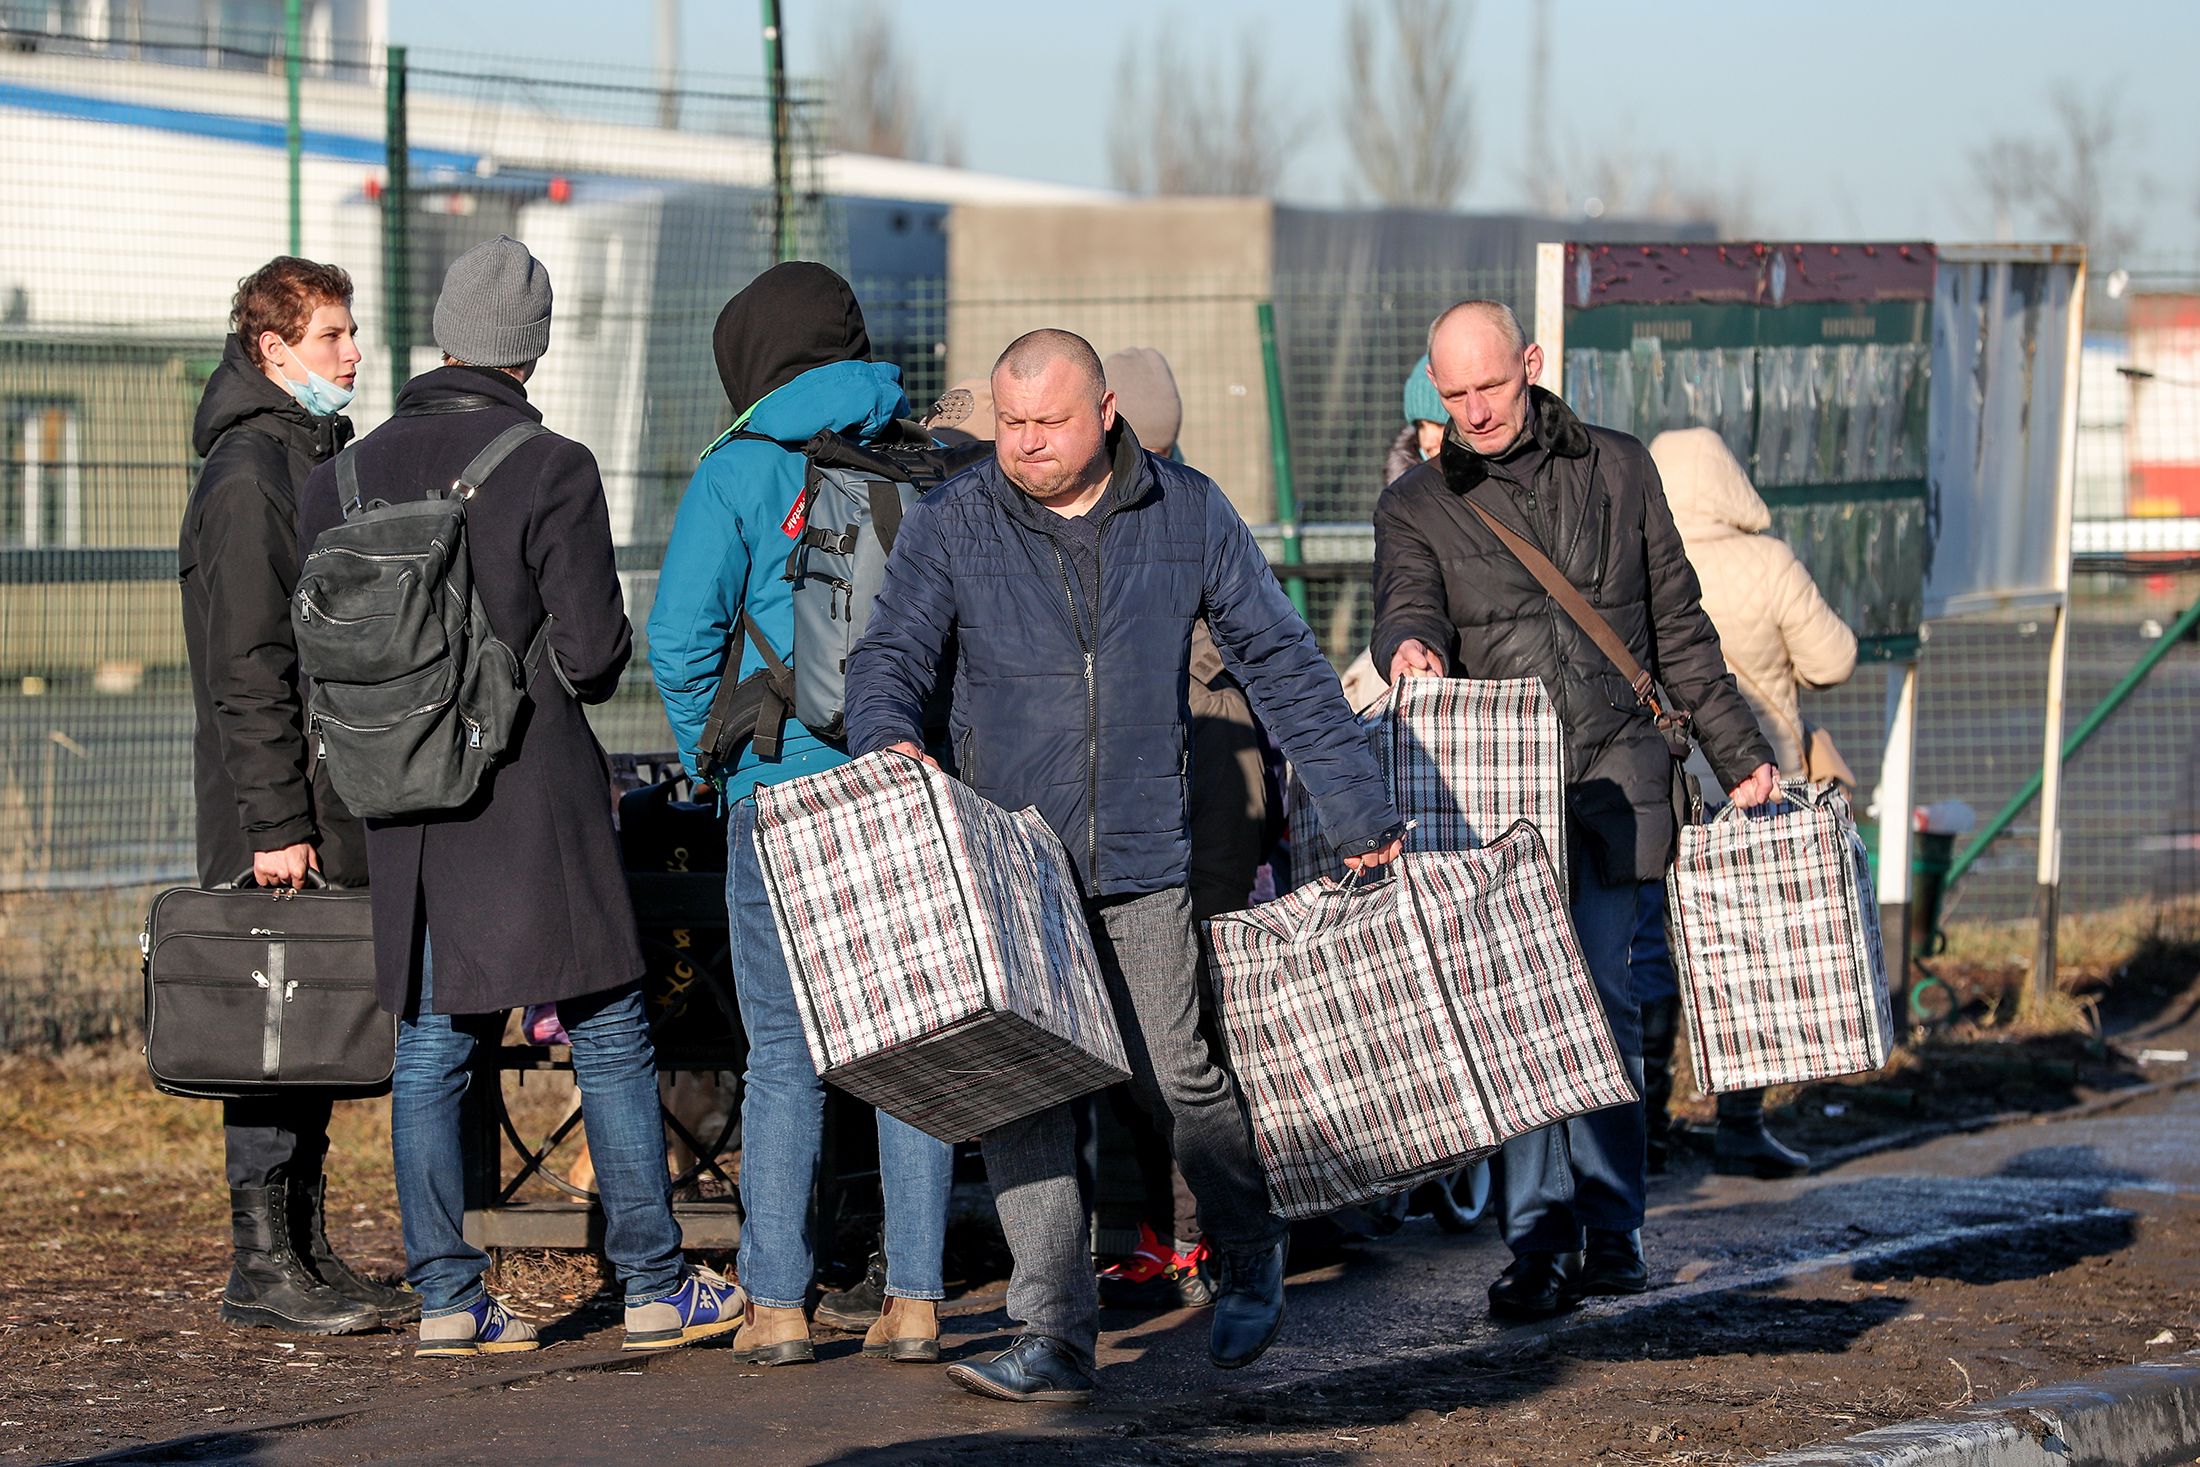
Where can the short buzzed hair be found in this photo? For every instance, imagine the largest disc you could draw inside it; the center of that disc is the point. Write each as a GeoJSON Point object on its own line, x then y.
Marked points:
{"type": "Point", "coordinates": [1032, 353]}
{"type": "Point", "coordinates": [1495, 314]}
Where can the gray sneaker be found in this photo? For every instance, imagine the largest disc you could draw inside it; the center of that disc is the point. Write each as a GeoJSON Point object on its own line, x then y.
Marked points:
{"type": "Point", "coordinates": [704, 1305]}
{"type": "Point", "coordinates": [484, 1327]}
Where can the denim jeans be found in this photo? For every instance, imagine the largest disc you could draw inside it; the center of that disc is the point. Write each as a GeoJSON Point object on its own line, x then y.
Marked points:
{"type": "Point", "coordinates": [1588, 1172]}
{"type": "Point", "coordinates": [615, 1067]}
{"type": "Point", "coordinates": [1650, 956]}
{"type": "Point", "coordinates": [783, 1121]}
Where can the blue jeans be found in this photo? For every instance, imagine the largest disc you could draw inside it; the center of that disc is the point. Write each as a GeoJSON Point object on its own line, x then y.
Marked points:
{"type": "Point", "coordinates": [1588, 1172]}
{"type": "Point", "coordinates": [1650, 956]}
{"type": "Point", "coordinates": [615, 1066]}
{"type": "Point", "coordinates": [783, 1120]}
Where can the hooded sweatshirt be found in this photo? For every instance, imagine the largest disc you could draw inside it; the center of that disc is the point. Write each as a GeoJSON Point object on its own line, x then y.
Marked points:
{"type": "Point", "coordinates": [790, 352]}
{"type": "Point", "coordinates": [257, 784]}
{"type": "Point", "coordinates": [1776, 629]}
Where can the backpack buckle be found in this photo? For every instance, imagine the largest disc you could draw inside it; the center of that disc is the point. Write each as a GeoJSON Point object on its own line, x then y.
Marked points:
{"type": "Point", "coordinates": [461, 490]}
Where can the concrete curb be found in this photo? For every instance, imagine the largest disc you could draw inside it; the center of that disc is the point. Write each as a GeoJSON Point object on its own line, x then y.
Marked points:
{"type": "Point", "coordinates": [2134, 1416]}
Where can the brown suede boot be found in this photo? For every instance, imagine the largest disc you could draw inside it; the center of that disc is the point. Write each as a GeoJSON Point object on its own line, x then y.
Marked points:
{"type": "Point", "coordinates": [773, 1337]}
{"type": "Point", "coordinates": [907, 1332]}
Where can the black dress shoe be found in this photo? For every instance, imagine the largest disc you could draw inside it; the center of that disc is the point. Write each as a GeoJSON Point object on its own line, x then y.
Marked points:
{"type": "Point", "coordinates": [1744, 1148]}
{"type": "Point", "coordinates": [1035, 1368]}
{"type": "Point", "coordinates": [1532, 1287]}
{"type": "Point", "coordinates": [1248, 1307]}
{"type": "Point", "coordinates": [1610, 1264]}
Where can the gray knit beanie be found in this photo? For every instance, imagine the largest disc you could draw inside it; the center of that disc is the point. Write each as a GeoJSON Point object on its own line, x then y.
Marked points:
{"type": "Point", "coordinates": [495, 307]}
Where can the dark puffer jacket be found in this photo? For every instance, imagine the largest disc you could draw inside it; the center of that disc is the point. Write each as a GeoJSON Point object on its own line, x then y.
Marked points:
{"type": "Point", "coordinates": [1097, 740]}
{"type": "Point", "coordinates": [259, 787]}
{"type": "Point", "coordinates": [1594, 506]}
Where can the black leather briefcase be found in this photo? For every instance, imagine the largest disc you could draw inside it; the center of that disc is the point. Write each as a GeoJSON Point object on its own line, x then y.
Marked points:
{"type": "Point", "coordinates": [253, 990]}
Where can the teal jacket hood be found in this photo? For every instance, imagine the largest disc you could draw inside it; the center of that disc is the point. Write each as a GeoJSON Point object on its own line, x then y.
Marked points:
{"type": "Point", "coordinates": [856, 398]}
{"type": "Point", "coordinates": [728, 552]}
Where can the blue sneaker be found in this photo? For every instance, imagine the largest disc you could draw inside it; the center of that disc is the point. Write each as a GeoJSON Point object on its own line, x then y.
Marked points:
{"type": "Point", "coordinates": [705, 1304]}
{"type": "Point", "coordinates": [484, 1327]}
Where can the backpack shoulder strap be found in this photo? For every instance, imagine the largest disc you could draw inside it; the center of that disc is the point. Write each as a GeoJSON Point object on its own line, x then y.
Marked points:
{"type": "Point", "coordinates": [347, 483]}
{"type": "Point", "coordinates": [1576, 606]}
{"type": "Point", "coordinates": [494, 453]}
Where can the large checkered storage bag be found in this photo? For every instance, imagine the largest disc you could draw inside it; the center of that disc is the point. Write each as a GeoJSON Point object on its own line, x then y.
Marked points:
{"type": "Point", "coordinates": [1774, 928]}
{"type": "Point", "coordinates": [1465, 758]}
{"type": "Point", "coordinates": [1388, 1033]}
{"type": "Point", "coordinates": [940, 955]}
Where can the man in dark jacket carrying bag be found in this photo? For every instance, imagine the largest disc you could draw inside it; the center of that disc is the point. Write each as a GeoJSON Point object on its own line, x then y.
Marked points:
{"type": "Point", "coordinates": [1069, 570]}
{"type": "Point", "coordinates": [1452, 597]}
{"type": "Point", "coordinates": [266, 814]}
{"type": "Point", "coordinates": [518, 896]}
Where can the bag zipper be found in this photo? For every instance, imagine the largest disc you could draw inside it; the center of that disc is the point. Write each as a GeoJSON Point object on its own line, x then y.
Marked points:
{"type": "Point", "coordinates": [1092, 712]}
{"type": "Point", "coordinates": [311, 608]}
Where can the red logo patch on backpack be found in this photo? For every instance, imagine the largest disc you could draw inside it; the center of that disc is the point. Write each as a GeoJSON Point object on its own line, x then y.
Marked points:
{"type": "Point", "coordinates": [797, 517]}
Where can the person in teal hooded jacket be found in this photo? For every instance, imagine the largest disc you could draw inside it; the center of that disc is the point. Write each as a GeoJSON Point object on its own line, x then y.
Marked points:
{"type": "Point", "coordinates": [793, 353]}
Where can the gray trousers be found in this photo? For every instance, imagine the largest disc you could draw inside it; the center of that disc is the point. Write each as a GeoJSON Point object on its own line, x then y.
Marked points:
{"type": "Point", "coordinates": [1150, 960]}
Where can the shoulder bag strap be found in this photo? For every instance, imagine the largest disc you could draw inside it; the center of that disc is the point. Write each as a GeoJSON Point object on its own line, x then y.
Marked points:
{"type": "Point", "coordinates": [1673, 724]}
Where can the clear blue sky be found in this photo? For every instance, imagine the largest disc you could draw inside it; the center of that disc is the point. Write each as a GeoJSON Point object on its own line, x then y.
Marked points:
{"type": "Point", "coordinates": [1836, 120]}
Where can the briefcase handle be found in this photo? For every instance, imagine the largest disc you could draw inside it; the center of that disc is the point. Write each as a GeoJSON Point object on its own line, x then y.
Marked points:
{"type": "Point", "coordinates": [315, 881]}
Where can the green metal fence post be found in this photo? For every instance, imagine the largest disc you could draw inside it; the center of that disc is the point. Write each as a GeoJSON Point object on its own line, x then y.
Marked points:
{"type": "Point", "coordinates": [1279, 452]}
{"type": "Point", "coordinates": [396, 222]}
{"type": "Point", "coordinates": [294, 137]}
{"type": "Point", "coordinates": [775, 70]}
{"type": "Point", "coordinates": [2102, 711]}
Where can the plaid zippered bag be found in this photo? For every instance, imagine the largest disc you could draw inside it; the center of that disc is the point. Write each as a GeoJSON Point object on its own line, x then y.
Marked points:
{"type": "Point", "coordinates": [1464, 759]}
{"type": "Point", "coordinates": [1386, 1033]}
{"type": "Point", "coordinates": [1774, 928]}
{"type": "Point", "coordinates": [941, 961]}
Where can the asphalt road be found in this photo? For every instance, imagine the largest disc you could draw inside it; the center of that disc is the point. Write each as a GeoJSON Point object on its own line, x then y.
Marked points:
{"type": "Point", "coordinates": [1417, 1295]}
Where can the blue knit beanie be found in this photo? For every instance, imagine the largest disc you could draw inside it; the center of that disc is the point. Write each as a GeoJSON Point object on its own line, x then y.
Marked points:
{"type": "Point", "coordinates": [1422, 403]}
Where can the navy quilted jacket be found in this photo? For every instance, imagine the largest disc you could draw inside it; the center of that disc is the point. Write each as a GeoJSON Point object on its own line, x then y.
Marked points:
{"type": "Point", "coordinates": [1095, 736]}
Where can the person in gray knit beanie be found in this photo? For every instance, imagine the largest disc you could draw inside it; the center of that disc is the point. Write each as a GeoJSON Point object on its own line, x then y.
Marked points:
{"type": "Point", "coordinates": [495, 307]}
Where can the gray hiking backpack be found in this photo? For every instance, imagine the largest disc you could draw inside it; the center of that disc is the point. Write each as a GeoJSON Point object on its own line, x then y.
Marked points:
{"type": "Point", "coordinates": [853, 499]}
{"type": "Point", "coordinates": [413, 696]}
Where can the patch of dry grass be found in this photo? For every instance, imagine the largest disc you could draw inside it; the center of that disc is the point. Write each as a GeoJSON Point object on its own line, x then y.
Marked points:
{"type": "Point", "coordinates": [69, 968]}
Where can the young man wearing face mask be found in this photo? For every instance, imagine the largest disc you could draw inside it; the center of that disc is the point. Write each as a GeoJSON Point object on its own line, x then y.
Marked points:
{"type": "Point", "coordinates": [266, 813]}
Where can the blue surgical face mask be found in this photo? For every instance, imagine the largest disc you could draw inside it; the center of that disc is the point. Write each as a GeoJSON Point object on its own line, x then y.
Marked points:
{"type": "Point", "coordinates": [317, 394]}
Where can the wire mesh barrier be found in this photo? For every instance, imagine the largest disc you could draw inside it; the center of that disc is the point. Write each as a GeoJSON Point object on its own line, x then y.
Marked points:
{"type": "Point", "coordinates": [144, 179]}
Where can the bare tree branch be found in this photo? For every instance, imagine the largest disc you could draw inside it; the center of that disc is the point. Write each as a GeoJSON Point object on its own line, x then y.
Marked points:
{"type": "Point", "coordinates": [874, 106]}
{"type": "Point", "coordinates": [1407, 112]}
{"type": "Point", "coordinates": [2064, 184]}
{"type": "Point", "coordinates": [1177, 131]}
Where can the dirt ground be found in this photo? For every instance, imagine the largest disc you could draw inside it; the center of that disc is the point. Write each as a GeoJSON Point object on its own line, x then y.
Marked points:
{"type": "Point", "coordinates": [112, 1257]}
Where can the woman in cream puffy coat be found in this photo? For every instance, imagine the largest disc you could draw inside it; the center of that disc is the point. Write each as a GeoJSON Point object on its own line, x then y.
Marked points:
{"type": "Point", "coordinates": [1778, 635]}
{"type": "Point", "coordinates": [1776, 629]}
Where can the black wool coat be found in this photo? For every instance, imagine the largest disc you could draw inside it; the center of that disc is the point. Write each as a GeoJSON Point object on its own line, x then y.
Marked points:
{"type": "Point", "coordinates": [258, 784]}
{"type": "Point", "coordinates": [521, 890]}
{"type": "Point", "coordinates": [1595, 507]}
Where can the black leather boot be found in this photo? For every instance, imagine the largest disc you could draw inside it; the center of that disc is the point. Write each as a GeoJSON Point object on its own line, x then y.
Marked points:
{"type": "Point", "coordinates": [306, 1197]}
{"type": "Point", "coordinates": [1248, 1307]}
{"type": "Point", "coordinates": [269, 1286]}
{"type": "Point", "coordinates": [1532, 1287]}
{"type": "Point", "coordinates": [1744, 1147]}
{"type": "Point", "coordinates": [1660, 1022]}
